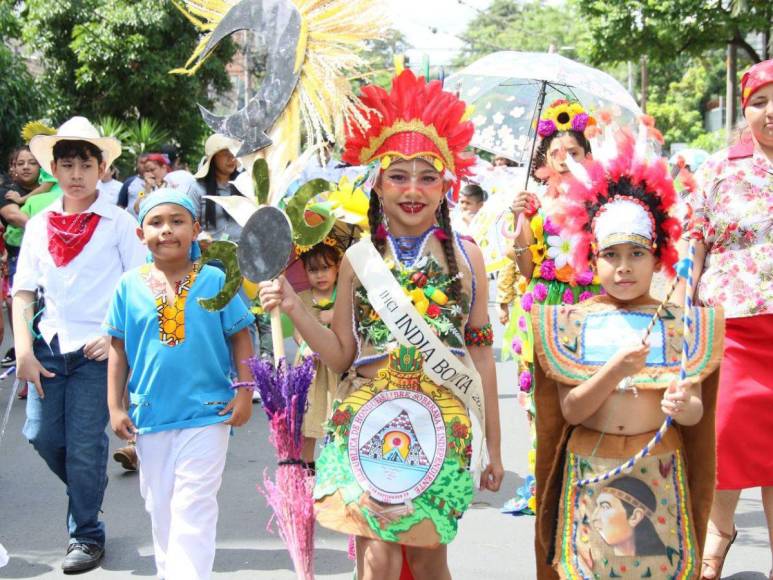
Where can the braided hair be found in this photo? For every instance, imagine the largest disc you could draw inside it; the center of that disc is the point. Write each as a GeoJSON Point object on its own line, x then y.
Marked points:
{"type": "Point", "coordinates": [375, 219]}
{"type": "Point", "coordinates": [541, 154]}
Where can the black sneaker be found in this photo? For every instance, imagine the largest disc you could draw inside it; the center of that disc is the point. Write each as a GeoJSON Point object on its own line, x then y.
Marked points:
{"type": "Point", "coordinates": [82, 556]}
{"type": "Point", "coordinates": [10, 358]}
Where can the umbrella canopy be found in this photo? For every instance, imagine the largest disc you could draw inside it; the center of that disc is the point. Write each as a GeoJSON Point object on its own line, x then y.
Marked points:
{"type": "Point", "coordinates": [505, 89]}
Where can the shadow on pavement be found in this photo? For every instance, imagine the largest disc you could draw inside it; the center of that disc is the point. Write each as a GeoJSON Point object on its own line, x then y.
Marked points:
{"type": "Point", "coordinates": [20, 568]}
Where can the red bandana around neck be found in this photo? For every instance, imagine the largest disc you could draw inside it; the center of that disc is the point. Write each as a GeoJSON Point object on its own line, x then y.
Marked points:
{"type": "Point", "coordinates": [69, 234]}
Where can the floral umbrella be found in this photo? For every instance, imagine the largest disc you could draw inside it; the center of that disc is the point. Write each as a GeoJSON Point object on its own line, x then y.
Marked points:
{"type": "Point", "coordinates": [509, 89]}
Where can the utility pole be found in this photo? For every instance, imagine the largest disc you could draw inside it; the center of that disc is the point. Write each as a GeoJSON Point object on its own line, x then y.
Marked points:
{"type": "Point", "coordinates": [731, 96]}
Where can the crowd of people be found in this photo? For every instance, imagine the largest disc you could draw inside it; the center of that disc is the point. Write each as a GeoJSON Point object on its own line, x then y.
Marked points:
{"type": "Point", "coordinates": [103, 281]}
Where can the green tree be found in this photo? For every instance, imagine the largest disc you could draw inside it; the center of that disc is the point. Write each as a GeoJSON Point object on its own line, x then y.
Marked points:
{"type": "Point", "coordinates": [18, 98]}
{"type": "Point", "coordinates": [526, 26]}
{"type": "Point", "coordinates": [379, 55]}
{"type": "Point", "coordinates": [113, 57]}
{"type": "Point", "coordinates": [666, 29]}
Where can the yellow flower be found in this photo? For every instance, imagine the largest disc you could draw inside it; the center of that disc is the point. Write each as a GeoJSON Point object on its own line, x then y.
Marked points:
{"type": "Point", "coordinates": [575, 109]}
{"type": "Point", "coordinates": [538, 251]}
{"type": "Point", "coordinates": [562, 117]}
{"type": "Point", "coordinates": [522, 285]}
{"type": "Point", "coordinates": [532, 503]}
{"type": "Point", "coordinates": [532, 460]}
{"type": "Point", "coordinates": [536, 226]}
{"type": "Point", "coordinates": [349, 205]}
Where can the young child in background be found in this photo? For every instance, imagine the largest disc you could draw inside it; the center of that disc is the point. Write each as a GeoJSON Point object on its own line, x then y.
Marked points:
{"type": "Point", "coordinates": [606, 376]}
{"type": "Point", "coordinates": [174, 357]}
{"type": "Point", "coordinates": [321, 266]}
{"type": "Point", "coordinates": [471, 199]}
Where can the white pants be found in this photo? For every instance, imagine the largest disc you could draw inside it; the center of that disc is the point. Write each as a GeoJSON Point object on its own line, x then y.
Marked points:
{"type": "Point", "coordinates": [180, 475]}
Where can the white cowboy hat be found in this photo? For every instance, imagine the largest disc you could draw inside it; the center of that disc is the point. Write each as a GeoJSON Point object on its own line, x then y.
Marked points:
{"type": "Point", "coordinates": [76, 129]}
{"type": "Point", "coordinates": [214, 144]}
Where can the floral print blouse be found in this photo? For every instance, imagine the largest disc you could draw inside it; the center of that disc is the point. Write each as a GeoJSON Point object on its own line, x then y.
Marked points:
{"type": "Point", "coordinates": [733, 207]}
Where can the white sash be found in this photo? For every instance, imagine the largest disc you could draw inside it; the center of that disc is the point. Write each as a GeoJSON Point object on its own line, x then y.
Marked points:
{"type": "Point", "coordinates": [409, 329]}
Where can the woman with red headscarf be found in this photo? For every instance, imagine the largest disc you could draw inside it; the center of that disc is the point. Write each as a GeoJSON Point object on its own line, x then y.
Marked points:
{"type": "Point", "coordinates": [733, 265]}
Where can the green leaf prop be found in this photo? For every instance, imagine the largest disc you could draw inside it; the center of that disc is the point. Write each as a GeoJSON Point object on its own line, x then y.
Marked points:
{"type": "Point", "coordinates": [260, 181]}
{"type": "Point", "coordinates": [224, 252]}
{"type": "Point", "coordinates": [303, 233]}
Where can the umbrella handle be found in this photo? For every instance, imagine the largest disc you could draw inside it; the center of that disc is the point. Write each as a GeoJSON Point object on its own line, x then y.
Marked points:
{"type": "Point", "coordinates": [277, 337]}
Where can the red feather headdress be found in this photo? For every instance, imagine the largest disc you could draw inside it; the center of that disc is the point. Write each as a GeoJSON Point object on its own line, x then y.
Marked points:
{"type": "Point", "coordinates": [415, 119]}
{"type": "Point", "coordinates": [629, 175]}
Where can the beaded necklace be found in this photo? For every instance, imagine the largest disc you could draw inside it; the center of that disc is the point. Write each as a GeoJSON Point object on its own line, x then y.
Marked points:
{"type": "Point", "coordinates": [407, 248]}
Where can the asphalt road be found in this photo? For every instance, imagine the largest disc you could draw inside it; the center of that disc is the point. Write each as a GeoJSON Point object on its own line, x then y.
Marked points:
{"type": "Point", "coordinates": [489, 546]}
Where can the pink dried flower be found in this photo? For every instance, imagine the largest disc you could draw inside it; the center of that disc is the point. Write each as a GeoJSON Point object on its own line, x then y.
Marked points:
{"type": "Point", "coordinates": [568, 297]}
{"type": "Point", "coordinates": [547, 270]}
{"type": "Point", "coordinates": [584, 296]}
{"type": "Point", "coordinates": [550, 228]}
{"type": "Point", "coordinates": [546, 128]}
{"type": "Point", "coordinates": [527, 301]}
{"type": "Point", "coordinates": [585, 278]}
{"type": "Point", "coordinates": [524, 381]}
{"type": "Point", "coordinates": [540, 292]}
{"type": "Point", "coordinates": [522, 323]}
{"type": "Point", "coordinates": [517, 346]}
{"type": "Point", "coordinates": [580, 122]}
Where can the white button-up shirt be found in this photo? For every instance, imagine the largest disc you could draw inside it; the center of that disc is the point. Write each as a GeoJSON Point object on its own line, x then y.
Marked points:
{"type": "Point", "coordinates": [78, 294]}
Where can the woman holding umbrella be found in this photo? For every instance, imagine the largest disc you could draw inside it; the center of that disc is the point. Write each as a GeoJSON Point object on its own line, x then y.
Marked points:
{"type": "Point", "coordinates": [543, 255]}
{"type": "Point", "coordinates": [733, 265]}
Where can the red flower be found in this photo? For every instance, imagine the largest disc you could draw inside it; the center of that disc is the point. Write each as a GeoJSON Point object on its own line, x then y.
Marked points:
{"type": "Point", "coordinates": [459, 430]}
{"type": "Point", "coordinates": [433, 311]}
{"type": "Point", "coordinates": [340, 417]}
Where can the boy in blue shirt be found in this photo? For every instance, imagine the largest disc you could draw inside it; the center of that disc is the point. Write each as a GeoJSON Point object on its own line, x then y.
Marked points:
{"type": "Point", "coordinates": [175, 359]}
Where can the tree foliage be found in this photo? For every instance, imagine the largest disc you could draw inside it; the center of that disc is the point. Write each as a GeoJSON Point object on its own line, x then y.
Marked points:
{"type": "Point", "coordinates": [113, 57]}
{"type": "Point", "coordinates": [665, 29]}
{"type": "Point", "coordinates": [528, 26]}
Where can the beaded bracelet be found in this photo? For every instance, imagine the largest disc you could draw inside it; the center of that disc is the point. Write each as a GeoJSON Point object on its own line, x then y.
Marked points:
{"type": "Point", "coordinates": [244, 384]}
{"type": "Point", "coordinates": [483, 336]}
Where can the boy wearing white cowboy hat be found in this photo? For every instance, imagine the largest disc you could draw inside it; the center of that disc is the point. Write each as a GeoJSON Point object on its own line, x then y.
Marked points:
{"type": "Point", "coordinates": [72, 255]}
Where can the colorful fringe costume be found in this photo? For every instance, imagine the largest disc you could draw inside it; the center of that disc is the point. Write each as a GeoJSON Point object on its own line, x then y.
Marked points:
{"type": "Point", "coordinates": [647, 519]}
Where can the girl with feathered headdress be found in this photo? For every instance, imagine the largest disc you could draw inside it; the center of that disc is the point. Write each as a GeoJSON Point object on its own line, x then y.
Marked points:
{"type": "Point", "coordinates": [411, 325]}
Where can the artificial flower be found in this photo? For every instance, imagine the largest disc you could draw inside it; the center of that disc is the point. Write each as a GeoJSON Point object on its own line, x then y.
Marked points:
{"type": "Point", "coordinates": [527, 301]}
{"type": "Point", "coordinates": [584, 296]}
{"type": "Point", "coordinates": [547, 270]}
{"type": "Point", "coordinates": [568, 297]}
{"type": "Point", "coordinates": [540, 292]}
{"type": "Point", "coordinates": [517, 346]}
{"type": "Point", "coordinates": [565, 274]}
{"type": "Point", "coordinates": [433, 311]}
{"type": "Point", "coordinates": [585, 278]}
{"type": "Point", "coordinates": [560, 248]}
{"type": "Point", "coordinates": [524, 381]}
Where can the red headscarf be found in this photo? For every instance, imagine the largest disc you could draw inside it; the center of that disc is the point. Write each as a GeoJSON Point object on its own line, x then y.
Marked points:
{"type": "Point", "coordinates": [756, 77]}
{"type": "Point", "coordinates": [160, 159]}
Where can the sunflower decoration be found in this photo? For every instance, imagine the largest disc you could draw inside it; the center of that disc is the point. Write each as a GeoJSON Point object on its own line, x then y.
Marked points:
{"type": "Point", "coordinates": [563, 115]}
{"type": "Point", "coordinates": [349, 202]}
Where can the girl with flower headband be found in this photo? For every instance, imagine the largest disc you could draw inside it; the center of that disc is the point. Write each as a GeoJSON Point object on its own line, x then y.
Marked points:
{"type": "Point", "coordinates": [542, 255]}
{"type": "Point", "coordinates": [411, 323]}
{"type": "Point", "coordinates": [606, 376]}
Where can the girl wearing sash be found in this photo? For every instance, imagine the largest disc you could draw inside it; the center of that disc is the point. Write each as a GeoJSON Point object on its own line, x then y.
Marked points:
{"type": "Point", "coordinates": [606, 376]}
{"type": "Point", "coordinates": [411, 322]}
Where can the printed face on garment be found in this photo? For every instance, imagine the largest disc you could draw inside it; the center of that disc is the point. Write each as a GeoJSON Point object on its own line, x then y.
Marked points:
{"type": "Point", "coordinates": [169, 230]}
{"type": "Point", "coordinates": [626, 270]}
{"type": "Point", "coordinates": [225, 162]}
{"type": "Point", "coordinates": [614, 525]}
{"type": "Point", "coordinates": [26, 168]}
{"type": "Point", "coordinates": [78, 177]}
{"type": "Point", "coordinates": [411, 192]}
{"type": "Point", "coordinates": [759, 115]}
{"type": "Point", "coordinates": [559, 148]}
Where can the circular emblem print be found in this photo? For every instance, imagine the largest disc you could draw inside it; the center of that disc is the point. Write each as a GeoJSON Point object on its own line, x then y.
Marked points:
{"type": "Point", "coordinates": [397, 445]}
